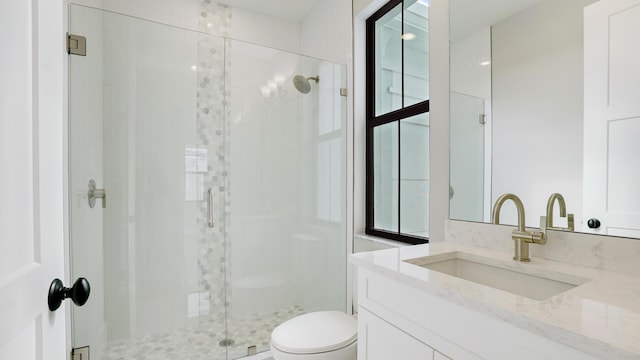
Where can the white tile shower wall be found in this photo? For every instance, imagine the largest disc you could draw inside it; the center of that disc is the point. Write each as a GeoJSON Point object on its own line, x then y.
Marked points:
{"type": "Point", "coordinates": [602, 252]}
{"type": "Point", "coordinates": [265, 160]}
{"type": "Point", "coordinates": [275, 141]}
{"type": "Point", "coordinates": [150, 93]}
{"type": "Point", "coordinates": [327, 33]}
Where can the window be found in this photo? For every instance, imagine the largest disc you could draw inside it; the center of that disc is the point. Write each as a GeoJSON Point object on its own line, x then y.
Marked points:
{"type": "Point", "coordinates": [397, 186]}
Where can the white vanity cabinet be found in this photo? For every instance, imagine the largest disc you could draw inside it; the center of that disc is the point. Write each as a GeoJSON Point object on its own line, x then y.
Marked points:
{"type": "Point", "coordinates": [400, 321]}
{"type": "Point", "coordinates": [379, 340]}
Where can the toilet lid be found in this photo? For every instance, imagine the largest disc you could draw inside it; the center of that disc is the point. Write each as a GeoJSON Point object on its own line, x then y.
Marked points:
{"type": "Point", "coordinates": [315, 332]}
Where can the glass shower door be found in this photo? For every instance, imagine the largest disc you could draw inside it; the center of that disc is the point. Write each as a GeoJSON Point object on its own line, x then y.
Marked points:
{"type": "Point", "coordinates": [467, 185]}
{"type": "Point", "coordinates": [287, 207]}
{"type": "Point", "coordinates": [138, 128]}
{"type": "Point", "coordinates": [225, 210]}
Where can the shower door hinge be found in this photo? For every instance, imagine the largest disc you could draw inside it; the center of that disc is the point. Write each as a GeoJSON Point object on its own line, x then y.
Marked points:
{"type": "Point", "coordinates": [343, 92]}
{"type": "Point", "coordinates": [81, 353]}
{"type": "Point", "coordinates": [252, 350]}
{"type": "Point", "coordinates": [76, 45]}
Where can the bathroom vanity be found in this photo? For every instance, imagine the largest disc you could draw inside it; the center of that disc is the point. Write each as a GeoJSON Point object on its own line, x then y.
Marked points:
{"type": "Point", "coordinates": [452, 301]}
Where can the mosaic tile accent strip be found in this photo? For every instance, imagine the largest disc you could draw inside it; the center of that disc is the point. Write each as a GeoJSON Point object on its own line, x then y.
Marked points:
{"type": "Point", "coordinates": [201, 341]}
{"type": "Point", "coordinates": [212, 135]}
{"type": "Point", "coordinates": [214, 18]}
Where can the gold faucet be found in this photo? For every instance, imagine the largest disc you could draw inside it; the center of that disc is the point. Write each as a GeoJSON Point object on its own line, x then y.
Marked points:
{"type": "Point", "coordinates": [548, 220]}
{"type": "Point", "coordinates": [521, 237]}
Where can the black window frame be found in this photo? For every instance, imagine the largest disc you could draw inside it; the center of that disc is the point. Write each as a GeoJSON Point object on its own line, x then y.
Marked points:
{"type": "Point", "coordinates": [373, 121]}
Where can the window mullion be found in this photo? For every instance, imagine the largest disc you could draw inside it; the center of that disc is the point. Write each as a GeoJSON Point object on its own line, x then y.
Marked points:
{"type": "Point", "coordinates": [402, 41]}
{"type": "Point", "coordinates": [399, 122]}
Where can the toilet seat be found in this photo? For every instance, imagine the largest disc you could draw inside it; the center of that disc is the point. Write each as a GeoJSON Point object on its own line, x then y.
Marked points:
{"type": "Point", "coordinates": [314, 333]}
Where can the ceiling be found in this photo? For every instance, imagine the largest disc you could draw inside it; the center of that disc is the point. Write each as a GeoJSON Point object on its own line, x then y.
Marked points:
{"type": "Point", "coordinates": [289, 10]}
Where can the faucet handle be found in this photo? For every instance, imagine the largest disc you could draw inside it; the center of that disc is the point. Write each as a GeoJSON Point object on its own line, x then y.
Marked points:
{"type": "Point", "coordinates": [539, 237]}
{"type": "Point", "coordinates": [570, 222]}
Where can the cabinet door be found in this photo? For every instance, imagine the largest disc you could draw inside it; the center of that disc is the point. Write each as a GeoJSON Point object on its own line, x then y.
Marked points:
{"type": "Point", "coordinates": [379, 340]}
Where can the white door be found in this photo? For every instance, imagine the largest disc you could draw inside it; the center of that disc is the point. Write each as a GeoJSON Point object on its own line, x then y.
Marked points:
{"type": "Point", "coordinates": [31, 178]}
{"type": "Point", "coordinates": [612, 117]}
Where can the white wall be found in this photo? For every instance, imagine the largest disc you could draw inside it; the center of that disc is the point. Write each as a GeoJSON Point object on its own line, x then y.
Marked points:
{"type": "Point", "coordinates": [326, 32]}
{"type": "Point", "coordinates": [468, 74]}
{"type": "Point", "coordinates": [439, 116]}
{"type": "Point", "coordinates": [537, 140]}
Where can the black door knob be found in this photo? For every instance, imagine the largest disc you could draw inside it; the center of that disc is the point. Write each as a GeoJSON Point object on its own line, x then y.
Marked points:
{"type": "Point", "coordinates": [78, 293]}
{"type": "Point", "coordinates": [593, 223]}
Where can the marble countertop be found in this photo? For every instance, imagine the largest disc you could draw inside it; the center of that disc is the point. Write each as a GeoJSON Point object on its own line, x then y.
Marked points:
{"type": "Point", "coordinates": [601, 317]}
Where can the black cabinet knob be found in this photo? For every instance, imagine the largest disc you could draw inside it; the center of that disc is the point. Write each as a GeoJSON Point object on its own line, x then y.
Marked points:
{"type": "Point", "coordinates": [78, 293]}
{"type": "Point", "coordinates": [593, 223]}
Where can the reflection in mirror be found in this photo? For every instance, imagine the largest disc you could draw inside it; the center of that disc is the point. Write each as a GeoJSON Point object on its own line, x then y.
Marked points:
{"type": "Point", "coordinates": [528, 110]}
{"type": "Point", "coordinates": [467, 190]}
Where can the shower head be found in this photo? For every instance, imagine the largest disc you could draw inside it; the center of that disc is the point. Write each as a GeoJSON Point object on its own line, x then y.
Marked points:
{"type": "Point", "coordinates": [302, 83]}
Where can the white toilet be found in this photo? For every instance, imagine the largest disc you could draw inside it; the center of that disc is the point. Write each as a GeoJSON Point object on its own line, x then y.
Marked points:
{"type": "Point", "coordinates": [321, 335]}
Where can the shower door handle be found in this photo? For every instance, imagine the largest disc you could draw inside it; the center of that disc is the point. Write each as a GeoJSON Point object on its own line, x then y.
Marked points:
{"type": "Point", "coordinates": [210, 213]}
{"type": "Point", "coordinates": [93, 194]}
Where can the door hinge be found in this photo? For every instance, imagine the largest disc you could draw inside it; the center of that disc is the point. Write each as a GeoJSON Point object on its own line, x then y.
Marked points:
{"type": "Point", "coordinates": [81, 353]}
{"type": "Point", "coordinates": [252, 350]}
{"type": "Point", "coordinates": [482, 119]}
{"type": "Point", "coordinates": [76, 45]}
{"type": "Point", "coordinates": [343, 92]}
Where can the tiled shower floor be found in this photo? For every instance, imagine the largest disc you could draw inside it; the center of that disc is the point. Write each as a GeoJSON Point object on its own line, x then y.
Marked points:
{"type": "Point", "coordinates": [201, 341]}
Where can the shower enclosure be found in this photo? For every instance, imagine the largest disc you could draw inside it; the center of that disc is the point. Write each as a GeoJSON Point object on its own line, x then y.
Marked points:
{"type": "Point", "coordinates": [224, 189]}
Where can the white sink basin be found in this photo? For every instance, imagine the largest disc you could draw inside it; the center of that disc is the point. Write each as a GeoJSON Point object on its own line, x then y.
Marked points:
{"type": "Point", "coordinates": [508, 277]}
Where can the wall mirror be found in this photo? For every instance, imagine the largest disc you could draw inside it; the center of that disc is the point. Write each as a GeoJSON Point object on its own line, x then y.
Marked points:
{"type": "Point", "coordinates": [544, 99]}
